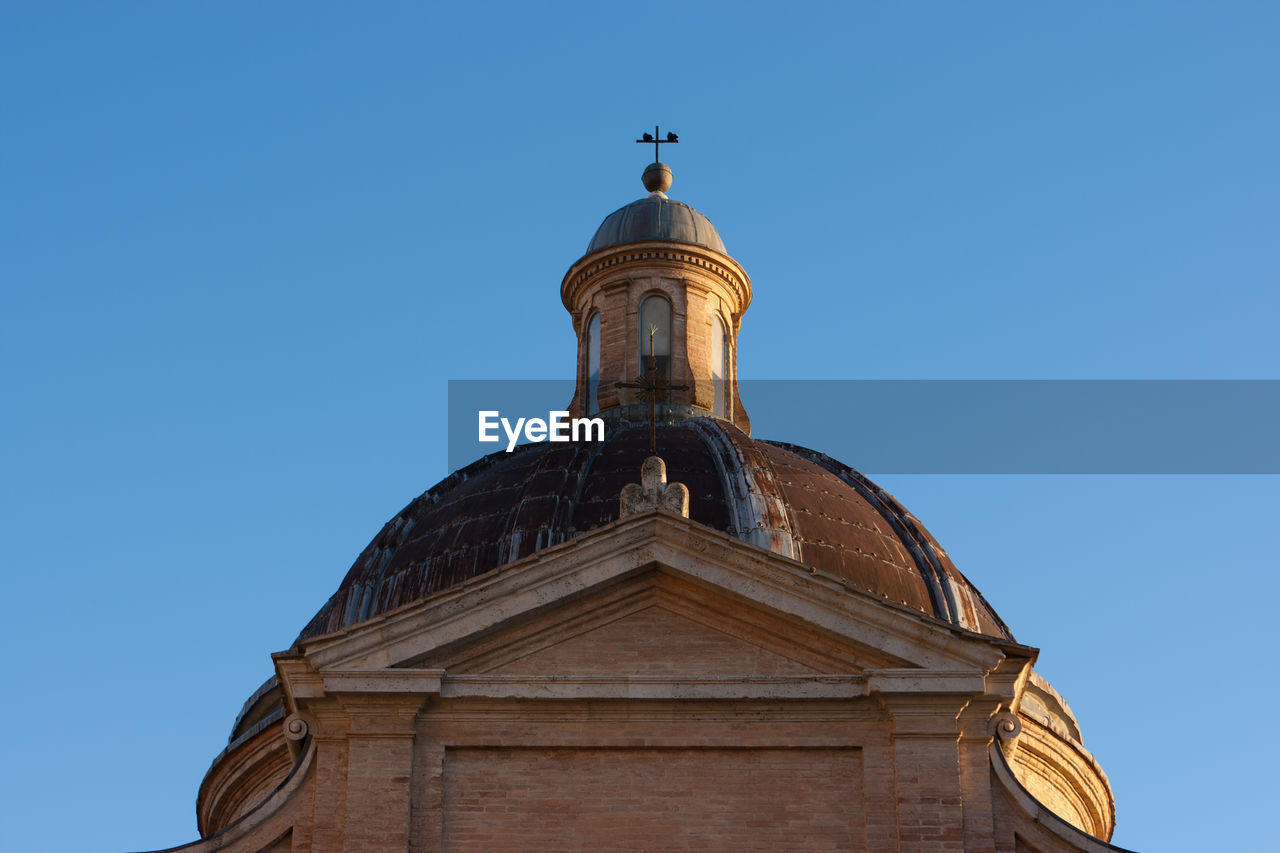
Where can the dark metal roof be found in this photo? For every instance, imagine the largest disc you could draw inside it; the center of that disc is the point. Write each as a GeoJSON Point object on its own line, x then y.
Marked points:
{"type": "Point", "coordinates": [656, 217]}
{"type": "Point", "coordinates": [795, 501]}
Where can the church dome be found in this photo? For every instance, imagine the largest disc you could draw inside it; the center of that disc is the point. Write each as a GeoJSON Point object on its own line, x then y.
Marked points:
{"type": "Point", "coordinates": [796, 502]}
{"type": "Point", "coordinates": [656, 217]}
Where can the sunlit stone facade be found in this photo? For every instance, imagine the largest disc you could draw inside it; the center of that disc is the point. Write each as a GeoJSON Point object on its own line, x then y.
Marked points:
{"type": "Point", "coordinates": [514, 665]}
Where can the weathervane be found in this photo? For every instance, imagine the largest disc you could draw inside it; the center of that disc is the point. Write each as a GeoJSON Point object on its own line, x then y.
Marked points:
{"type": "Point", "coordinates": [653, 137]}
{"type": "Point", "coordinates": [651, 389]}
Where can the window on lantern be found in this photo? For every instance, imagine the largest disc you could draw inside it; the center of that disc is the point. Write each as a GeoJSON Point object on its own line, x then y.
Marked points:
{"type": "Point", "coordinates": [593, 365]}
{"type": "Point", "coordinates": [655, 337]}
{"type": "Point", "coordinates": [719, 368]}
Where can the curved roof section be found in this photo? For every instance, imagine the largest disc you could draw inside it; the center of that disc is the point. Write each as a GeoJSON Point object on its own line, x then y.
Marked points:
{"type": "Point", "coordinates": [656, 217]}
{"type": "Point", "coordinates": [795, 501]}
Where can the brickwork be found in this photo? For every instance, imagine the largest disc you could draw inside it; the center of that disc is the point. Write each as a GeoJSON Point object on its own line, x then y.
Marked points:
{"type": "Point", "coordinates": [700, 285]}
{"type": "Point", "coordinates": [654, 684]}
{"type": "Point", "coordinates": [657, 710]}
{"type": "Point", "coordinates": [647, 764]}
{"type": "Point", "coordinates": [672, 645]}
{"type": "Point", "coordinates": [640, 799]}
{"type": "Point", "coordinates": [328, 820]}
{"type": "Point", "coordinates": [930, 800]}
{"type": "Point", "coordinates": [379, 768]}
{"type": "Point", "coordinates": [737, 636]}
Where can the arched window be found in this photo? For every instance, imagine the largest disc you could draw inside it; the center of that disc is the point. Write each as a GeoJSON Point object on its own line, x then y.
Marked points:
{"type": "Point", "coordinates": [719, 367]}
{"type": "Point", "coordinates": [593, 364]}
{"type": "Point", "coordinates": [655, 336]}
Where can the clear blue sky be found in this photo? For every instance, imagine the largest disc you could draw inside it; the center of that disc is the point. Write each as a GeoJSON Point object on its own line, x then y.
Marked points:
{"type": "Point", "coordinates": [243, 246]}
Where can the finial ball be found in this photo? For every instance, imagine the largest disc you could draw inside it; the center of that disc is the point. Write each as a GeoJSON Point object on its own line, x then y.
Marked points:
{"type": "Point", "coordinates": [657, 177]}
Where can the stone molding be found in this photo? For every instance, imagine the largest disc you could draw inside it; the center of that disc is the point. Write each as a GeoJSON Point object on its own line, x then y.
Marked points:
{"type": "Point", "coordinates": [422, 682]}
{"type": "Point", "coordinates": [653, 687]}
{"type": "Point", "coordinates": [255, 829]}
{"type": "Point", "coordinates": [1065, 773]}
{"type": "Point", "coordinates": [924, 692]}
{"type": "Point", "coordinates": [240, 778]}
{"type": "Point", "coordinates": [639, 543]}
{"type": "Point", "coordinates": [1038, 813]}
{"type": "Point", "coordinates": [656, 253]}
{"type": "Point", "coordinates": [370, 700]}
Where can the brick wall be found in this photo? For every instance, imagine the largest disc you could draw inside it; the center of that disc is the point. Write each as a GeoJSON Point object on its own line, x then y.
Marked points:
{"type": "Point", "coordinates": [700, 799]}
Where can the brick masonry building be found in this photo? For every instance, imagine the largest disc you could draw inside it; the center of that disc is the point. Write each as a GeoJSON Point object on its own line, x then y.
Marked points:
{"type": "Point", "coordinates": [554, 649]}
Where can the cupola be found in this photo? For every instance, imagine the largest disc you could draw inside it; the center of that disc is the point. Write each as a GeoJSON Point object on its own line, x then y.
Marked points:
{"type": "Point", "coordinates": [657, 293]}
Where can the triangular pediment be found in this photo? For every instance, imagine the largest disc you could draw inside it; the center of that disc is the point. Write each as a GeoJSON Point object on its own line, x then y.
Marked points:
{"type": "Point", "coordinates": [666, 596]}
{"type": "Point", "coordinates": [653, 624]}
{"type": "Point", "coordinates": [652, 641]}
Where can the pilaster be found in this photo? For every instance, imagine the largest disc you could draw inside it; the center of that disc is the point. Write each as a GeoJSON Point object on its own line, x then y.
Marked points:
{"type": "Point", "coordinates": [925, 734]}
{"type": "Point", "coordinates": [379, 770]}
{"type": "Point", "coordinates": [976, 727]}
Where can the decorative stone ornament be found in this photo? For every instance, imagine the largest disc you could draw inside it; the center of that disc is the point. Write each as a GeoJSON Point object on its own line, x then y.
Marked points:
{"type": "Point", "coordinates": [657, 177]}
{"type": "Point", "coordinates": [1007, 727]}
{"type": "Point", "coordinates": [297, 728]}
{"type": "Point", "coordinates": [653, 492]}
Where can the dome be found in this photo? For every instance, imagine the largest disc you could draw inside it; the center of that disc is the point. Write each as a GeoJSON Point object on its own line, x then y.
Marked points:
{"type": "Point", "coordinates": [797, 502]}
{"type": "Point", "coordinates": [656, 217]}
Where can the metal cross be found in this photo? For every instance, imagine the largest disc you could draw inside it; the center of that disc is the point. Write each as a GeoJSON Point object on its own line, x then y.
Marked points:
{"type": "Point", "coordinates": [653, 137]}
{"type": "Point", "coordinates": [651, 389]}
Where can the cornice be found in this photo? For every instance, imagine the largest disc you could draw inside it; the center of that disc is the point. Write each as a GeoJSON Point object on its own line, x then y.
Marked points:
{"type": "Point", "coordinates": [636, 543]}
{"type": "Point", "coordinates": [779, 714]}
{"type": "Point", "coordinates": [672, 255]}
{"type": "Point", "coordinates": [672, 687]}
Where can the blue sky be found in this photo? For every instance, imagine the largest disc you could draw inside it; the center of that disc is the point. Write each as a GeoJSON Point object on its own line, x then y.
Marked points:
{"type": "Point", "coordinates": [244, 246]}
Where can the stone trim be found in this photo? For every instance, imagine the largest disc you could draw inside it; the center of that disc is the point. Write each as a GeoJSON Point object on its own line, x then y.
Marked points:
{"type": "Point", "coordinates": [653, 687]}
{"type": "Point", "coordinates": [254, 820]}
{"type": "Point", "coordinates": [640, 543]}
{"type": "Point", "coordinates": [1071, 770]}
{"type": "Point", "coordinates": [713, 262]}
{"type": "Point", "coordinates": [780, 713]}
{"type": "Point", "coordinates": [1040, 814]}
